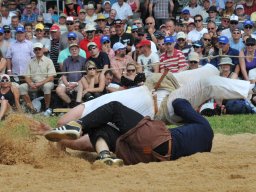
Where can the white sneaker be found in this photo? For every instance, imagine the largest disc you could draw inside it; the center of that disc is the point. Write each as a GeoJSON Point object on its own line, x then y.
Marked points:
{"type": "Point", "coordinates": [48, 112]}
{"type": "Point", "coordinates": [71, 131]}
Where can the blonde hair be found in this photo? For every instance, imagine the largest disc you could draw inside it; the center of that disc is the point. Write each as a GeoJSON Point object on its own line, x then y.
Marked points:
{"type": "Point", "coordinates": [90, 63]}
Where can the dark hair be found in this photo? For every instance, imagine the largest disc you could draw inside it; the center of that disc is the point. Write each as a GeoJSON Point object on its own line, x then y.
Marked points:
{"type": "Point", "coordinates": [28, 24]}
{"type": "Point", "coordinates": [198, 16]}
{"type": "Point", "coordinates": [108, 72]}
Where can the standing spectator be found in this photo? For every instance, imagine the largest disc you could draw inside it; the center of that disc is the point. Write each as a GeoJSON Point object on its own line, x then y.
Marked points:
{"type": "Point", "coordinates": [172, 59]}
{"type": "Point", "coordinates": [182, 44]}
{"type": "Point", "coordinates": [40, 75]}
{"type": "Point", "coordinates": [29, 16]}
{"type": "Point", "coordinates": [236, 41]}
{"type": "Point", "coordinates": [34, 8]}
{"type": "Point", "coordinates": [71, 28]}
{"type": "Point", "coordinates": [54, 16]}
{"type": "Point", "coordinates": [65, 53]}
{"type": "Point", "coordinates": [8, 34]}
{"type": "Point", "coordinates": [206, 6]}
{"type": "Point", "coordinates": [6, 16]}
{"type": "Point", "coordinates": [162, 10]}
{"type": "Point", "coordinates": [19, 54]}
{"type": "Point", "coordinates": [62, 23]}
{"type": "Point", "coordinates": [39, 28]}
{"type": "Point", "coordinates": [91, 16]}
{"type": "Point", "coordinates": [100, 58]}
{"type": "Point", "coordinates": [90, 37]}
{"type": "Point", "coordinates": [120, 61]}
{"type": "Point", "coordinates": [71, 9]}
{"type": "Point", "coordinates": [69, 83]}
{"type": "Point", "coordinates": [194, 8]}
{"type": "Point", "coordinates": [4, 45]}
{"type": "Point", "coordinates": [124, 11]}
{"type": "Point", "coordinates": [55, 45]}
{"type": "Point", "coordinates": [121, 35]}
{"type": "Point", "coordinates": [198, 32]}
{"type": "Point", "coordinates": [148, 60]}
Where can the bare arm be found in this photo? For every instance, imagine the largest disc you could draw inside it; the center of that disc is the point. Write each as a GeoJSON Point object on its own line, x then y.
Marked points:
{"type": "Point", "coordinates": [3, 64]}
{"type": "Point", "coordinates": [150, 9]}
{"type": "Point", "coordinates": [101, 85]}
{"type": "Point", "coordinates": [16, 94]}
{"type": "Point", "coordinates": [9, 66]}
{"type": "Point", "coordinates": [242, 65]}
{"type": "Point", "coordinates": [138, 5]}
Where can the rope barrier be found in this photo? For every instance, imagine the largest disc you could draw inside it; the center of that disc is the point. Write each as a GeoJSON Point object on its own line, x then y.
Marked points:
{"type": "Point", "coordinates": [122, 68]}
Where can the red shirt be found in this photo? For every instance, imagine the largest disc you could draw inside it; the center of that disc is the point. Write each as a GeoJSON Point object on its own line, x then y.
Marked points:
{"type": "Point", "coordinates": [84, 43]}
{"type": "Point", "coordinates": [174, 62]}
{"type": "Point", "coordinates": [248, 10]}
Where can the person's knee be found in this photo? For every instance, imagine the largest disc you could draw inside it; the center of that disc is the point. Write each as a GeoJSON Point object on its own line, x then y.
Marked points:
{"type": "Point", "coordinates": [23, 88]}
{"type": "Point", "coordinates": [47, 88]}
{"type": "Point", "coordinates": [60, 90]}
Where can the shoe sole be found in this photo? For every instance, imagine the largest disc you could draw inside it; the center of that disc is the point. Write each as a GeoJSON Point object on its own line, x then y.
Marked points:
{"type": "Point", "coordinates": [112, 162]}
{"type": "Point", "coordinates": [56, 136]}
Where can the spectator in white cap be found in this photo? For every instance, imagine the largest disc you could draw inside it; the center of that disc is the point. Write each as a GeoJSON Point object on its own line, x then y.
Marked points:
{"type": "Point", "coordinates": [91, 16]}
{"type": "Point", "coordinates": [70, 28]}
{"type": "Point", "coordinates": [225, 68]}
{"type": "Point", "coordinates": [182, 44]}
{"type": "Point", "coordinates": [119, 61]}
{"type": "Point", "coordinates": [39, 76]}
{"type": "Point", "coordinates": [233, 25]}
{"type": "Point", "coordinates": [239, 11]}
{"type": "Point", "coordinates": [193, 60]}
{"type": "Point", "coordinates": [106, 8]}
{"type": "Point", "coordinates": [9, 96]}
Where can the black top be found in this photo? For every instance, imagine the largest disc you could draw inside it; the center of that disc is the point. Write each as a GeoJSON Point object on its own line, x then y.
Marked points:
{"type": "Point", "coordinates": [125, 39]}
{"type": "Point", "coordinates": [101, 60]}
{"type": "Point", "coordinates": [9, 97]}
{"type": "Point", "coordinates": [140, 77]}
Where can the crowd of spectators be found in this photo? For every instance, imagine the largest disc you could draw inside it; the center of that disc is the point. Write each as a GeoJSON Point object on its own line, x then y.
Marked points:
{"type": "Point", "coordinates": [95, 47]}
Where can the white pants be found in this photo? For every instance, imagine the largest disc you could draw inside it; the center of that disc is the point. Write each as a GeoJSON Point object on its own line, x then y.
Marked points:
{"type": "Point", "coordinates": [199, 91]}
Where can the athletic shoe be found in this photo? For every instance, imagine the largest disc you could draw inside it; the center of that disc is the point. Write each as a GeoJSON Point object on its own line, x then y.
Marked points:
{"type": "Point", "coordinates": [70, 131]}
{"type": "Point", "coordinates": [105, 157]}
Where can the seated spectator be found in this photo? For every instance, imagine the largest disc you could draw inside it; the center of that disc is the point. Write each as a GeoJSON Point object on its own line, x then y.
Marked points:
{"type": "Point", "coordinates": [71, 9]}
{"type": "Point", "coordinates": [247, 57]}
{"type": "Point", "coordinates": [120, 61]}
{"type": "Point", "coordinates": [6, 16]}
{"type": "Point", "coordinates": [111, 18]}
{"type": "Point", "coordinates": [29, 36]}
{"type": "Point", "coordinates": [91, 15]}
{"type": "Point", "coordinates": [40, 75]}
{"type": "Point", "coordinates": [212, 28]}
{"type": "Point", "coordinates": [100, 58]}
{"type": "Point", "coordinates": [173, 59]}
{"type": "Point", "coordinates": [15, 22]}
{"type": "Point", "coordinates": [208, 40]}
{"type": "Point", "coordinates": [8, 34]}
{"type": "Point", "coordinates": [92, 84]}
{"type": "Point", "coordinates": [9, 96]}
{"type": "Point", "coordinates": [186, 17]}
{"type": "Point", "coordinates": [229, 7]}
{"type": "Point", "coordinates": [142, 35]}
{"type": "Point", "coordinates": [233, 25]}
{"type": "Point", "coordinates": [106, 9]}
{"type": "Point", "coordinates": [62, 23]}
{"type": "Point", "coordinates": [236, 41]}
{"type": "Point", "coordinates": [182, 44]}
{"type": "Point", "coordinates": [160, 46]}
{"type": "Point", "coordinates": [4, 45]}
{"type": "Point", "coordinates": [225, 68]}
{"type": "Point", "coordinates": [148, 60]}
{"type": "Point", "coordinates": [248, 28]}
{"type": "Point", "coordinates": [131, 78]}
{"type": "Point", "coordinates": [101, 21]}
{"type": "Point", "coordinates": [106, 31]}
{"type": "Point", "coordinates": [194, 8]}
{"type": "Point", "coordinates": [198, 47]}
{"type": "Point", "coordinates": [97, 4]}
{"type": "Point", "coordinates": [239, 11]}
{"type": "Point", "coordinates": [28, 16]}
{"type": "Point", "coordinates": [138, 22]}
{"type": "Point", "coordinates": [225, 20]}
{"type": "Point", "coordinates": [213, 15]}
{"type": "Point", "coordinates": [69, 81]}
{"type": "Point", "coordinates": [33, 8]}
{"type": "Point", "coordinates": [106, 46]}
{"type": "Point", "coordinates": [193, 60]}
{"type": "Point", "coordinates": [54, 17]}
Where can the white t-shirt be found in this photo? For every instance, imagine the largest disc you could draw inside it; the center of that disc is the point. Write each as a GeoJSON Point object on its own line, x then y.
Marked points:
{"type": "Point", "coordinates": [123, 12]}
{"type": "Point", "coordinates": [153, 47]}
{"type": "Point", "coordinates": [194, 11]}
{"type": "Point", "coordinates": [227, 33]}
{"type": "Point", "coordinates": [195, 35]}
{"type": "Point", "coordinates": [146, 61]}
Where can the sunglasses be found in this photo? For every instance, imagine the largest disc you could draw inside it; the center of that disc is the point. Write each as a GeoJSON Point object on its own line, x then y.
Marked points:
{"type": "Point", "coordinates": [197, 21]}
{"type": "Point", "coordinates": [250, 44]}
{"type": "Point", "coordinates": [222, 43]}
{"type": "Point", "coordinates": [92, 48]}
{"type": "Point", "coordinates": [233, 22]}
{"type": "Point", "coordinates": [168, 44]}
{"type": "Point", "coordinates": [225, 20]}
{"type": "Point", "coordinates": [180, 39]}
{"type": "Point", "coordinates": [193, 62]}
{"type": "Point", "coordinates": [248, 27]}
{"type": "Point", "coordinates": [207, 39]}
{"type": "Point", "coordinates": [91, 68]}
{"type": "Point", "coordinates": [149, 23]}
{"type": "Point", "coordinates": [106, 42]}
{"type": "Point", "coordinates": [7, 31]}
{"type": "Point", "coordinates": [70, 23]}
{"type": "Point", "coordinates": [210, 29]}
{"type": "Point", "coordinates": [4, 81]}
{"type": "Point", "coordinates": [39, 31]}
{"type": "Point", "coordinates": [71, 39]}
{"type": "Point", "coordinates": [131, 70]}
{"type": "Point", "coordinates": [196, 47]}
{"type": "Point", "coordinates": [236, 33]}
{"type": "Point", "coordinates": [37, 49]}
{"type": "Point", "coordinates": [135, 31]}
{"type": "Point", "coordinates": [140, 35]}
{"type": "Point", "coordinates": [89, 31]}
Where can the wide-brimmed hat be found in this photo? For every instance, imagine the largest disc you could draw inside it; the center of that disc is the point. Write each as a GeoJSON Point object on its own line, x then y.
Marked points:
{"type": "Point", "coordinates": [226, 61]}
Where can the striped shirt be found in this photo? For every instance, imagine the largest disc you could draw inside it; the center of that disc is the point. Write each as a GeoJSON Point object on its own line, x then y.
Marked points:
{"type": "Point", "coordinates": [175, 62]}
{"type": "Point", "coordinates": [54, 53]}
{"type": "Point", "coordinates": [161, 8]}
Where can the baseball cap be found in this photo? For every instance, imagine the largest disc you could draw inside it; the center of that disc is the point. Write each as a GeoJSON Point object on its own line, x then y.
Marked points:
{"type": "Point", "coordinates": [223, 39]}
{"type": "Point", "coordinates": [90, 6]}
{"type": "Point", "coordinates": [118, 22]}
{"type": "Point", "coordinates": [250, 41]}
{"type": "Point", "coordinates": [39, 26]}
{"type": "Point", "coordinates": [5, 77]}
{"type": "Point", "coordinates": [91, 44]}
{"type": "Point", "coordinates": [104, 38]}
{"type": "Point", "coordinates": [239, 6]}
{"type": "Point", "coordinates": [144, 43]}
{"type": "Point", "coordinates": [161, 26]}
{"type": "Point", "coordinates": [72, 34]}
{"type": "Point", "coordinates": [82, 11]}
{"type": "Point", "coordinates": [198, 43]}
{"type": "Point", "coordinates": [181, 35]}
{"type": "Point", "coordinates": [193, 56]}
{"type": "Point", "coordinates": [141, 31]}
{"type": "Point", "coordinates": [212, 9]}
{"type": "Point", "coordinates": [225, 61]}
{"type": "Point", "coordinates": [63, 15]}
{"type": "Point", "coordinates": [90, 27]}
{"type": "Point", "coordinates": [134, 28]}
{"type": "Point", "coordinates": [1, 30]}
{"type": "Point", "coordinates": [6, 28]}
{"type": "Point", "coordinates": [71, 19]}
{"type": "Point", "coordinates": [185, 11]}
{"type": "Point", "coordinates": [118, 46]}
{"type": "Point", "coordinates": [73, 45]}
{"type": "Point", "coordinates": [20, 29]}
{"type": "Point", "coordinates": [38, 45]}
{"type": "Point", "coordinates": [168, 40]}
{"type": "Point", "coordinates": [55, 28]}
{"type": "Point", "coordinates": [248, 22]}
{"type": "Point", "coordinates": [233, 18]}
{"type": "Point", "coordinates": [107, 2]}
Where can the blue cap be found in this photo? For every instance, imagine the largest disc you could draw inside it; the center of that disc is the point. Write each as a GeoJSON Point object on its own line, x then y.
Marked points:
{"type": "Point", "coordinates": [248, 22]}
{"type": "Point", "coordinates": [168, 40]}
{"type": "Point", "coordinates": [72, 34]}
{"type": "Point", "coordinates": [223, 39]}
{"type": "Point", "coordinates": [20, 29]}
{"type": "Point", "coordinates": [134, 27]}
{"type": "Point", "coordinates": [104, 38]}
{"type": "Point", "coordinates": [198, 43]}
{"type": "Point", "coordinates": [1, 30]}
{"type": "Point", "coordinates": [185, 11]}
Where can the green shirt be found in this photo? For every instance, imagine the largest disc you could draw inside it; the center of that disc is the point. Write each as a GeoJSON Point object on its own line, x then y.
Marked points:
{"type": "Point", "coordinates": [65, 53]}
